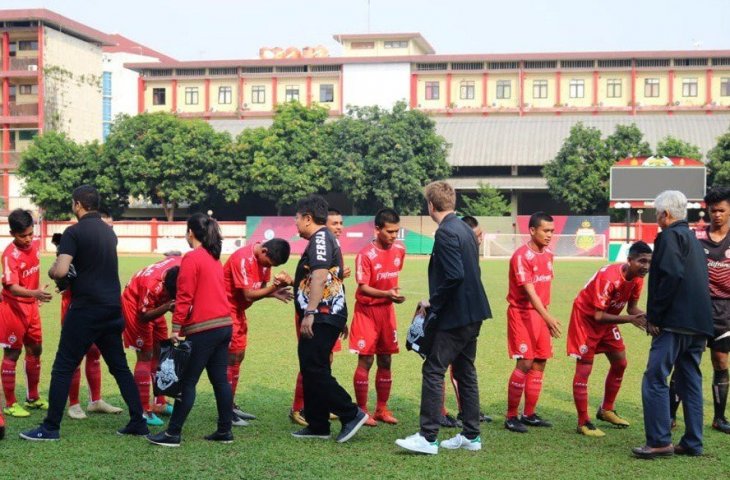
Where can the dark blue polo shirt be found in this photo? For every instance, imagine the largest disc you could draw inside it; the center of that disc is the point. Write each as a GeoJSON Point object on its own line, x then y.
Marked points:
{"type": "Point", "coordinates": [93, 246]}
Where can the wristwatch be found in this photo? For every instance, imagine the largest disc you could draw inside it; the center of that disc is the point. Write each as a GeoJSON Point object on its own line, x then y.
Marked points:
{"type": "Point", "coordinates": [310, 312]}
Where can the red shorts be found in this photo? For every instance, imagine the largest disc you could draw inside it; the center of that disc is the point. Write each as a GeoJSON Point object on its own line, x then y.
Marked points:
{"type": "Point", "coordinates": [586, 337]}
{"type": "Point", "coordinates": [22, 324]}
{"type": "Point", "coordinates": [374, 330]}
{"type": "Point", "coordinates": [239, 338]}
{"type": "Point", "coordinates": [528, 336]}
{"type": "Point", "coordinates": [139, 335]}
{"type": "Point", "coordinates": [297, 326]}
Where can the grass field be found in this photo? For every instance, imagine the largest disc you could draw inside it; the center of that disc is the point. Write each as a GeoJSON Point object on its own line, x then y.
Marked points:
{"type": "Point", "coordinates": [90, 449]}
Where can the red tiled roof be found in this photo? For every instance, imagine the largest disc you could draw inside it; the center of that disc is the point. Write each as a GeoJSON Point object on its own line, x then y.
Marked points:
{"type": "Point", "coordinates": [124, 44]}
{"type": "Point", "coordinates": [416, 37]}
{"type": "Point", "coordinates": [57, 21]}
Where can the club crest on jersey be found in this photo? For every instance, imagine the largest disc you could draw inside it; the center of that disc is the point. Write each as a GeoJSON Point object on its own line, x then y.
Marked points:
{"type": "Point", "coordinates": [396, 262]}
{"type": "Point", "coordinates": [583, 349]}
{"type": "Point", "coordinates": [139, 342]}
{"type": "Point", "coordinates": [361, 344]}
{"type": "Point", "coordinates": [166, 376]}
{"type": "Point", "coordinates": [12, 339]}
{"type": "Point", "coordinates": [523, 348]}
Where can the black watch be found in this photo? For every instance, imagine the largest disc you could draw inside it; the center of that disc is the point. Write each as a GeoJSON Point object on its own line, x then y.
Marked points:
{"type": "Point", "coordinates": [310, 312]}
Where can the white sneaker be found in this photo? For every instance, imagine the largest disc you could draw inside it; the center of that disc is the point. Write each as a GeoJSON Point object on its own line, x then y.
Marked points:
{"type": "Point", "coordinates": [76, 412]}
{"type": "Point", "coordinates": [418, 443]}
{"type": "Point", "coordinates": [460, 441]}
{"type": "Point", "coordinates": [239, 422]}
{"type": "Point", "coordinates": [100, 406]}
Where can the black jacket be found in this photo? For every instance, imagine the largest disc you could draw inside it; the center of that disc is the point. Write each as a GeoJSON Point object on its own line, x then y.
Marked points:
{"type": "Point", "coordinates": [457, 295]}
{"type": "Point", "coordinates": [679, 292]}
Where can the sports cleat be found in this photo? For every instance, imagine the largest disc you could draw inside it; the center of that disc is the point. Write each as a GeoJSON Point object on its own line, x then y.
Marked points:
{"type": "Point", "coordinates": [134, 429]}
{"type": "Point", "coordinates": [611, 417]}
{"type": "Point", "coordinates": [164, 439]}
{"type": "Point", "coordinates": [237, 421]}
{"type": "Point", "coordinates": [350, 428]}
{"type": "Point", "coordinates": [100, 406]}
{"type": "Point", "coordinates": [15, 410]}
{"type": "Point", "coordinates": [448, 421]}
{"type": "Point", "coordinates": [41, 434]}
{"type": "Point", "coordinates": [241, 414]}
{"type": "Point", "coordinates": [220, 437]}
{"type": "Point", "coordinates": [484, 418]}
{"type": "Point", "coordinates": [76, 412]}
{"type": "Point", "coordinates": [385, 416]}
{"type": "Point", "coordinates": [37, 404]}
{"type": "Point", "coordinates": [419, 444]}
{"type": "Point", "coordinates": [370, 422]}
{"type": "Point", "coordinates": [590, 430]}
{"type": "Point", "coordinates": [535, 420]}
{"type": "Point", "coordinates": [513, 424]}
{"type": "Point", "coordinates": [460, 441]}
{"type": "Point", "coordinates": [153, 420]}
{"type": "Point", "coordinates": [721, 425]}
{"type": "Point", "coordinates": [307, 433]}
{"type": "Point", "coordinates": [297, 418]}
{"type": "Point", "coordinates": [162, 409]}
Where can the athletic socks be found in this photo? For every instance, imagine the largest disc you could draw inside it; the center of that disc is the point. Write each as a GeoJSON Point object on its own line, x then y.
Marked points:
{"type": "Point", "coordinates": [533, 387]}
{"type": "Point", "coordinates": [8, 380]}
{"type": "Point", "coordinates": [580, 390]}
{"type": "Point", "coordinates": [383, 382]}
{"type": "Point", "coordinates": [360, 382]}
{"type": "Point", "coordinates": [298, 404]}
{"type": "Point", "coordinates": [515, 388]}
{"type": "Point", "coordinates": [73, 391]}
{"type": "Point", "coordinates": [719, 392]}
{"type": "Point", "coordinates": [93, 373]}
{"type": "Point", "coordinates": [613, 383]}
{"type": "Point", "coordinates": [142, 378]}
{"type": "Point", "coordinates": [32, 375]}
{"type": "Point", "coordinates": [234, 371]}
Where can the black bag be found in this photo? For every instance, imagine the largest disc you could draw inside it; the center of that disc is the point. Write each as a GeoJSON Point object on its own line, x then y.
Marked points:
{"type": "Point", "coordinates": [421, 333]}
{"type": "Point", "coordinates": [173, 360]}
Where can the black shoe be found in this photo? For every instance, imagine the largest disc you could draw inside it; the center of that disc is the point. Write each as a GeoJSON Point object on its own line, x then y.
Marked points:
{"type": "Point", "coordinates": [307, 433]}
{"type": "Point", "coordinates": [2, 432]}
{"type": "Point", "coordinates": [648, 453]}
{"type": "Point", "coordinates": [164, 439]}
{"type": "Point", "coordinates": [241, 414]}
{"type": "Point", "coordinates": [41, 434]}
{"type": "Point", "coordinates": [448, 421]}
{"type": "Point", "coordinates": [682, 450]}
{"type": "Point", "coordinates": [535, 420]}
{"type": "Point", "coordinates": [721, 425]}
{"type": "Point", "coordinates": [513, 424]}
{"type": "Point", "coordinates": [350, 428]}
{"type": "Point", "coordinates": [220, 437]}
{"type": "Point", "coordinates": [134, 429]}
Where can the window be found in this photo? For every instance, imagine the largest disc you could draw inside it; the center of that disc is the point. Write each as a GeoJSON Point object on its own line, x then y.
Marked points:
{"type": "Point", "coordinates": [539, 89]}
{"type": "Point", "coordinates": [28, 90]}
{"type": "Point", "coordinates": [225, 95]}
{"type": "Point", "coordinates": [158, 96]}
{"type": "Point", "coordinates": [362, 45]}
{"type": "Point", "coordinates": [326, 93]}
{"type": "Point", "coordinates": [466, 90]}
{"type": "Point", "coordinates": [258, 94]}
{"type": "Point", "coordinates": [689, 87]}
{"type": "Point", "coordinates": [725, 87]}
{"type": "Point", "coordinates": [27, 135]}
{"type": "Point", "coordinates": [291, 94]}
{"type": "Point", "coordinates": [651, 87]}
{"type": "Point", "coordinates": [396, 44]}
{"type": "Point", "coordinates": [613, 88]}
{"type": "Point", "coordinates": [191, 95]}
{"type": "Point", "coordinates": [577, 89]}
{"type": "Point", "coordinates": [504, 89]}
{"type": "Point", "coordinates": [27, 45]}
{"type": "Point", "coordinates": [432, 90]}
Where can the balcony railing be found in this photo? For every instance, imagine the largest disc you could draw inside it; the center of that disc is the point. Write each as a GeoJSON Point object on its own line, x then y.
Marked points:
{"type": "Point", "coordinates": [30, 64]}
{"type": "Point", "coordinates": [21, 110]}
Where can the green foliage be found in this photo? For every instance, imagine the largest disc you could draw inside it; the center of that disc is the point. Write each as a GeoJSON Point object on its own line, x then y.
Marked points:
{"type": "Point", "coordinates": [674, 147]}
{"type": "Point", "coordinates": [627, 141]}
{"type": "Point", "coordinates": [719, 162]}
{"type": "Point", "coordinates": [53, 165]}
{"type": "Point", "coordinates": [488, 202]}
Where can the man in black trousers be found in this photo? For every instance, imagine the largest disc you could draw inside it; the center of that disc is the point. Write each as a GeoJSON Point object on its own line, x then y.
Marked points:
{"type": "Point", "coordinates": [458, 305]}
{"type": "Point", "coordinates": [94, 316]}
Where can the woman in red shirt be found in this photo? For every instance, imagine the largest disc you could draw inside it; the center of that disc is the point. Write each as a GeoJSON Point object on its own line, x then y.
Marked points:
{"type": "Point", "coordinates": [202, 316]}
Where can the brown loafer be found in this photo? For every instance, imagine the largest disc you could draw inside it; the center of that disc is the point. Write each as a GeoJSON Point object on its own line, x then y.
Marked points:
{"type": "Point", "coordinates": [682, 450]}
{"type": "Point", "coordinates": [647, 453]}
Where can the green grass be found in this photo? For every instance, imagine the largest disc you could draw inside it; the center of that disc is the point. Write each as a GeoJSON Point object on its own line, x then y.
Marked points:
{"type": "Point", "coordinates": [90, 449]}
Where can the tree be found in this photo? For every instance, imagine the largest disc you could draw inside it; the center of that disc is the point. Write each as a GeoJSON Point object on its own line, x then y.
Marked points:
{"type": "Point", "coordinates": [53, 165]}
{"type": "Point", "coordinates": [674, 147]}
{"type": "Point", "coordinates": [165, 159]}
{"type": "Point", "coordinates": [488, 202]}
{"type": "Point", "coordinates": [579, 173]}
{"type": "Point", "coordinates": [627, 141]}
{"type": "Point", "coordinates": [383, 158]}
{"type": "Point", "coordinates": [719, 162]}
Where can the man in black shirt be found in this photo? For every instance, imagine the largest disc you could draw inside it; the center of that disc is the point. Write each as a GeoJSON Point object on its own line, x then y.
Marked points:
{"type": "Point", "coordinates": [320, 304]}
{"type": "Point", "coordinates": [94, 315]}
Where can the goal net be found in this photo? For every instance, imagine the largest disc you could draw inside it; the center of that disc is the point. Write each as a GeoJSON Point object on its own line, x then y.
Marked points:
{"type": "Point", "coordinates": [502, 245]}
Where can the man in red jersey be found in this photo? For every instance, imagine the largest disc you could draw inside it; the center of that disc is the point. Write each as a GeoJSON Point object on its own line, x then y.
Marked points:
{"type": "Point", "coordinates": [247, 275]}
{"type": "Point", "coordinates": [530, 327]}
{"type": "Point", "coordinates": [594, 329]}
{"type": "Point", "coordinates": [374, 329]}
{"type": "Point", "coordinates": [147, 297]}
{"type": "Point", "coordinates": [21, 314]}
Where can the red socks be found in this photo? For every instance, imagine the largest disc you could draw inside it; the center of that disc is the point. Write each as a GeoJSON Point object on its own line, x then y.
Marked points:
{"type": "Point", "coordinates": [8, 380]}
{"type": "Point", "coordinates": [32, 375]}
{"type": "Point", "coordinates": [580, 390]}
{"type": "Point", "coordinates": [142, 377]}
{"type": "Point", "coordinates": [234, 371]}
{"type": "Point", "coordinates": [360, 382]}
{"type": "Point", "coordinates": [515, 387]}
{"type": "Point", "coordinates": [298, 404]}
{"type": "Point", "coordinates": [533, 387]}
{"type": "Point", "coordinates": [613, 384]}
{"type": "Point", "coordinates": [93, 373]}
{"type": "Point", "coordinates": [73, 391]}
{"type": "Point", "coordinates": [383, 382]}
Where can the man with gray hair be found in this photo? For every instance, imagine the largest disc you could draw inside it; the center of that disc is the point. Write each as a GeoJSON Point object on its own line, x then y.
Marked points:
{"type": "Point", "coordinates": [679, 318]}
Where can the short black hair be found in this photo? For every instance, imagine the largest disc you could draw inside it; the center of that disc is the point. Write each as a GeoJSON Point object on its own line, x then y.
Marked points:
{"type": "Point", "coordinates": [717, 195]}
{"type": "Point", "coordinates": [471, 221]}
{"type": "Point", "coordinates": [315, 206]}
{"type": "Point", "coordinates": [386, 215]}
{"type": "Point", "coordinates": [56, 239]}
{"type": "Point", "coordinates": [105, 213]}
{"type": "Point", "coordinates": [87, 196]}
{"type": "Point", "coordinates": [639, 248]}
{"type": "Point", "coordinates": [333, 211]}
{"type": "Point", "coordinates": [277, 249]}
{"type": "Point", "coordinates": [20, 220]}
{"type": "Point", "coordinates": [170, 281]}
{"type": "Point", "coordinates": [538, 217]}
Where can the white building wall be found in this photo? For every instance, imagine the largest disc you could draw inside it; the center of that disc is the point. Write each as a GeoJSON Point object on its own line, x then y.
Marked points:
{"type": "Point", "coordinates": [124, 81]}
{"type": "Point", "coordinates": [376, 84]}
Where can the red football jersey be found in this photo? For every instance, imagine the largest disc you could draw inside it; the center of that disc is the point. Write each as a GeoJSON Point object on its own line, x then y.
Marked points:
{"type": "Point", "coordinates": [608, 291]}
{"type": "Point", "coordinates": [527, 266]}
{"type": "Point", "coordinates": [146, 290]}
{"type": "Point", "coordinates": [21, 267]}
{"type": "Point", "coordinates": [379, 269]}
{"type": "Point", "coordinates": [243, 272]}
